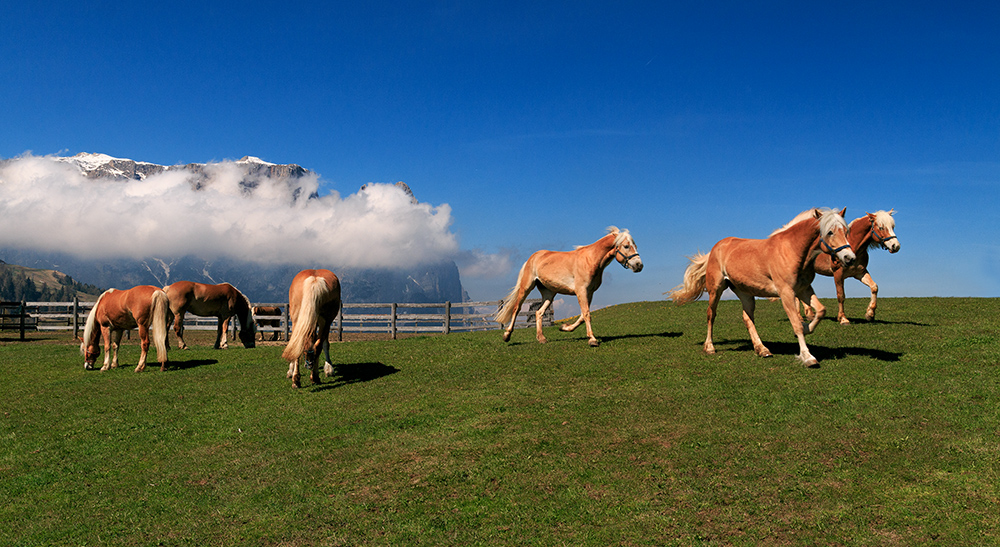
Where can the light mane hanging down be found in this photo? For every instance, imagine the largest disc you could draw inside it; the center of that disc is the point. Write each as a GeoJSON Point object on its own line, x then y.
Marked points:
{"type": "Point", "coordinates": [828, 220]}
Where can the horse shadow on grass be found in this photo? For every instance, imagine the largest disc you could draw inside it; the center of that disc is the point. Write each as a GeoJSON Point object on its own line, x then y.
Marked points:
{"type": "Point", "coordinates": [353, 373]}
{"type": "Point", "coordinates": [863, 321]}
{"type": "Point", "coordinates": [183, 365]}
{"type": "Point", "coordinates": [821, 353]}
{"type": "Point", "coordinates": [570, 339]}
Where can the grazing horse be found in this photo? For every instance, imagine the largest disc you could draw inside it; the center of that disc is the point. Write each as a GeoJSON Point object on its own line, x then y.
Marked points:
{"type": "Point", "coordinates": [144, 307]}
{"type": "Point", "coordinates": [262, 316]}
{"type": "Point", "coordinates": [222, 301]}
{"type": "Point", "coordinates": [576, 272]}
{"type": "Point", "coordinates": [871, 230]}
{"type": "Point", "coordinates": [313, 303]}
{"type": "Point", "coordinates": [781, 265]}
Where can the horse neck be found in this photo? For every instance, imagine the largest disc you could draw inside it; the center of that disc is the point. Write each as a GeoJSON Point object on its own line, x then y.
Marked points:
{"type": "Point", "coordinates": [602, 250]}
{"type": "Point", "coordinates": [802, 239]}
{"type": "Point", "coordinates": [861, 234]}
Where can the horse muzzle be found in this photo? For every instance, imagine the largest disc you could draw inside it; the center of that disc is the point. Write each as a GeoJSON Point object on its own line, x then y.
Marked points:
{"type": "Point", "coordinates": [846, 257]}
{"type": "Point", "coordinates": [634, 264]}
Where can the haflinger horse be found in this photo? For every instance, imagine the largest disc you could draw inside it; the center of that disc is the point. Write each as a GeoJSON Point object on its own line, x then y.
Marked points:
{"type": "Point", "coordinates": [144, 307]}
{"type": "Point", "coordinates": [222, 301]}
{"type": "Point", "coordinates": [313, 303]}
{"type": "Point", "coordinates": [872, 230]}
{"type": "Point", "coordinates": [576, 272]}
{"type": "Point", "coordinates": [779, 266]}
{"type": "Point", "coordinates": [263, 315]}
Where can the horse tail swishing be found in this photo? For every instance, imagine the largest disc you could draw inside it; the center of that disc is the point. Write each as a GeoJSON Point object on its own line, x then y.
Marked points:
{"type": "Point", "coordinates": [161, 313]}
{"type": "Point", "coordinates": [694, 281]}
{"type": "Point", "coordinates": [313, 303]}
{"type": "Point", "coordinates": [508, 306]}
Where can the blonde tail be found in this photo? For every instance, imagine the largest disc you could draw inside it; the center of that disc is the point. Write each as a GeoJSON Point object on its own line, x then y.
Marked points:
{"type": "Point", "coordinates": [161, 307]}
{"type": "Point", "coordinates": [506, 309]}
{"type": "Point", "coordinates": [304, 324]}
{"type": "Point", "coordinates": [694, 281]}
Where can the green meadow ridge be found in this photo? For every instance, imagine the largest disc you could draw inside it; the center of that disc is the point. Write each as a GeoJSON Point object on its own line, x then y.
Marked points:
{"type": "Point", "coordinates": [466, 440]}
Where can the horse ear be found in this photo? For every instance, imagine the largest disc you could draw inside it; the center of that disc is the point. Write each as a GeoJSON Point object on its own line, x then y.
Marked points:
{"type": "Point", "coordinates": [843, 211]}
{"type": "Point", "coordinates": [817, 212]}
{"type": "Point", "coordinates": [892, 212]}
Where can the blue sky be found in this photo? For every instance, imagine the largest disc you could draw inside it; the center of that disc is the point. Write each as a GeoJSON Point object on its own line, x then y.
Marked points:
{"type": "Point", "coordinates": [541, 123]}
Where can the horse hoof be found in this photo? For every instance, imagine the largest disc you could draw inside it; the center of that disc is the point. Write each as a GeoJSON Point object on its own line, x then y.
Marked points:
{"type": "Point", "coordinates": [594, 342]}
{"type": "Point", "coordinates": [566, 328]}
{"type": "Point", "coordinates": [543, 340]}
{"type": "Point", "coordinates": [506, 337]}
{"type": "Point", "coordinates": [844, 321]}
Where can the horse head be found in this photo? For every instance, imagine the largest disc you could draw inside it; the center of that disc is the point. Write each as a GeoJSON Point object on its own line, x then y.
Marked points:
{"type": "Point", "coordinates": [248, 326]}
{"type": "Point", "coordinates": [91, 351]}
{"type": "Point", "coordinates": [883, 230]}
{"type": "Point", "coordinates": [626, 252]}
{"type": "Point", "coordinates": [833, 232]}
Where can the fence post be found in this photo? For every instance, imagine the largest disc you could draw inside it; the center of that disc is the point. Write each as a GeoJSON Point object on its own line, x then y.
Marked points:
{"type": "Point", "coordinates": [392, 320]}
{"type": "Point", "coordinates": [24, 312]}
{"type": "Point", "coordinates": [76, 317]}
{"type": "Point", "coordinates": [287, 326]}
{"type": "Point", "coordinates": [340, 323]}
{"type": "Point", "coordinates": [447, 317]}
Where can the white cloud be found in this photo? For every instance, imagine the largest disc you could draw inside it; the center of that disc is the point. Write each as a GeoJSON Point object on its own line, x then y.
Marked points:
{"type": "Point", "coordinates": [48, 204]}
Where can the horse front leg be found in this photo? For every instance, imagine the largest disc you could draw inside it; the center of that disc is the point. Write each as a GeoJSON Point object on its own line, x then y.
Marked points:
{"type": "Point", "coordinates": [106, 338]}
{"type": "Point", "coordinates": [788, 302]}
{"type": "Point", "coordinates": [838, 281]}
{"type": "Point", "coordinates": [584, 298]}
{"type": "Point", "coordinates": [220, 335]}
{"type": "Point", "coordinates": [749, 305]}
{"type": "Point", "coordinates": [144, 345]}
{"type": "Point", "coordinates": [867, 280]}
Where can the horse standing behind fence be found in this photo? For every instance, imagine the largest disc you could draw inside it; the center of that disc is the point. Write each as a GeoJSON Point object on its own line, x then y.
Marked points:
{"type": "Point", "coordinates": [781, 265]}
{"type": "Point", "coordinates": [222, 301]}
{"type": "Point", "coordinates": [872, 230]}
{"type": "Point", "coordinates": [313, 303]}
{"type": "Point", "coordinates": [144, 307]}
{"type": "Point", "coordinates": [576, 272]}
{"type": "Point", "coordinates": [262, 315]}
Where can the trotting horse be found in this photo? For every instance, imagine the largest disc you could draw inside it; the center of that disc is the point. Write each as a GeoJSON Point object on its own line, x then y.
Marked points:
{"type": "Point", "coordinates": [781, 265]}
{"type": "Point", "coordinates": [872, 230]}
{"type": "Point", "coordinates": [222, 301]}
{"type": "Point", "coordinates": [144, 307]}
{"type": "Point", "coordinates": [576, 272]}
{"type": "Point", "coordinates": [313, 303]}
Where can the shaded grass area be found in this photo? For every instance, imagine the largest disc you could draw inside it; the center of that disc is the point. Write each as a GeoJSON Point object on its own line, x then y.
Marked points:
{"type": "Point", "coordinates": [463, 439]}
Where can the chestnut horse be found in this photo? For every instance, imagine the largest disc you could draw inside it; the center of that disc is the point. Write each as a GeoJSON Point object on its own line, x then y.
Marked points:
{"type": "Point", "coordinates": [222, 301]}
{"type": "Point", "coordinates": [871, 230]}
{"type": "Point", "coordinates": [313, 303]}
{"type": "Point", "coordinates": [781, 265]}
{"type": "Point", "coordinates": [576, 272]}
{"type": "Point", "coordinates": [144, 307]}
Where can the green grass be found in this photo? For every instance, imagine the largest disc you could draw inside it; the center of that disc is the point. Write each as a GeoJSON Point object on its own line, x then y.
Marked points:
{"type": "Point", "coordinates": [465, 440]}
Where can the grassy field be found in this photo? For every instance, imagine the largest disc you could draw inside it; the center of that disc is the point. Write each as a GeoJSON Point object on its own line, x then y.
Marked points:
{"type": "Point", "coordinates": [465, 440]}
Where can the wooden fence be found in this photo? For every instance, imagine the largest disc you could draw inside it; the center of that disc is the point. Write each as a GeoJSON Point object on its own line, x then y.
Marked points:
{"type": "Point", "coordinates": [388, 318]}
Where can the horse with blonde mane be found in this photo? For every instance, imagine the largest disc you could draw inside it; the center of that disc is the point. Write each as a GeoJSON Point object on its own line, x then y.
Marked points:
{"type": "Point", "coordinates": [144, 307]}
{"type": "Point", "coordinates": [779, 266]}
{"type": "Point", "coordinates": [222, 301]}
{"type": "Point", "coordinates": [313, 304]}
{"type": "Point", "coordinates": [872, 230]}
{"type": "Point", "coordinates": [576, 272]}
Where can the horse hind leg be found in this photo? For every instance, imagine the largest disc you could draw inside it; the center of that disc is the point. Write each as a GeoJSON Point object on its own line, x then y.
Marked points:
{"type": "Point", "coordinates": [547, 297]}
{"type": "Point", "coordinates": [221, 341]}
{"type": "Point", "coordinates": [749, 305]}
{"type": "Point", "coordinates": [144, 345]}
{"type": "Point", "coordinates": [179, 329]}
{"type": "Point", "coordinates": [838, 282]}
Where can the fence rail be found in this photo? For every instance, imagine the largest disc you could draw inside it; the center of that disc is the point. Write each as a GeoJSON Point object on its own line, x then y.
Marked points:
{"type": "Point", "coordinates": [384, 318]}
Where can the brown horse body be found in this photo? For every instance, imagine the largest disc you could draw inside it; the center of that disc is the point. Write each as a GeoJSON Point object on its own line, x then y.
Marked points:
{"type": "Point", "coordinates": [143, 307]}
{"type": "Point", "coordinates": [313, 304]}
{"type": "Point", "coordinates": [872, 230]}
{"type": "Point", "coordinates": [779, 266]}
{"type": "Point", "coordinates": [576, 272]}
{"type": "Point", "coordinates": [222, 301]}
